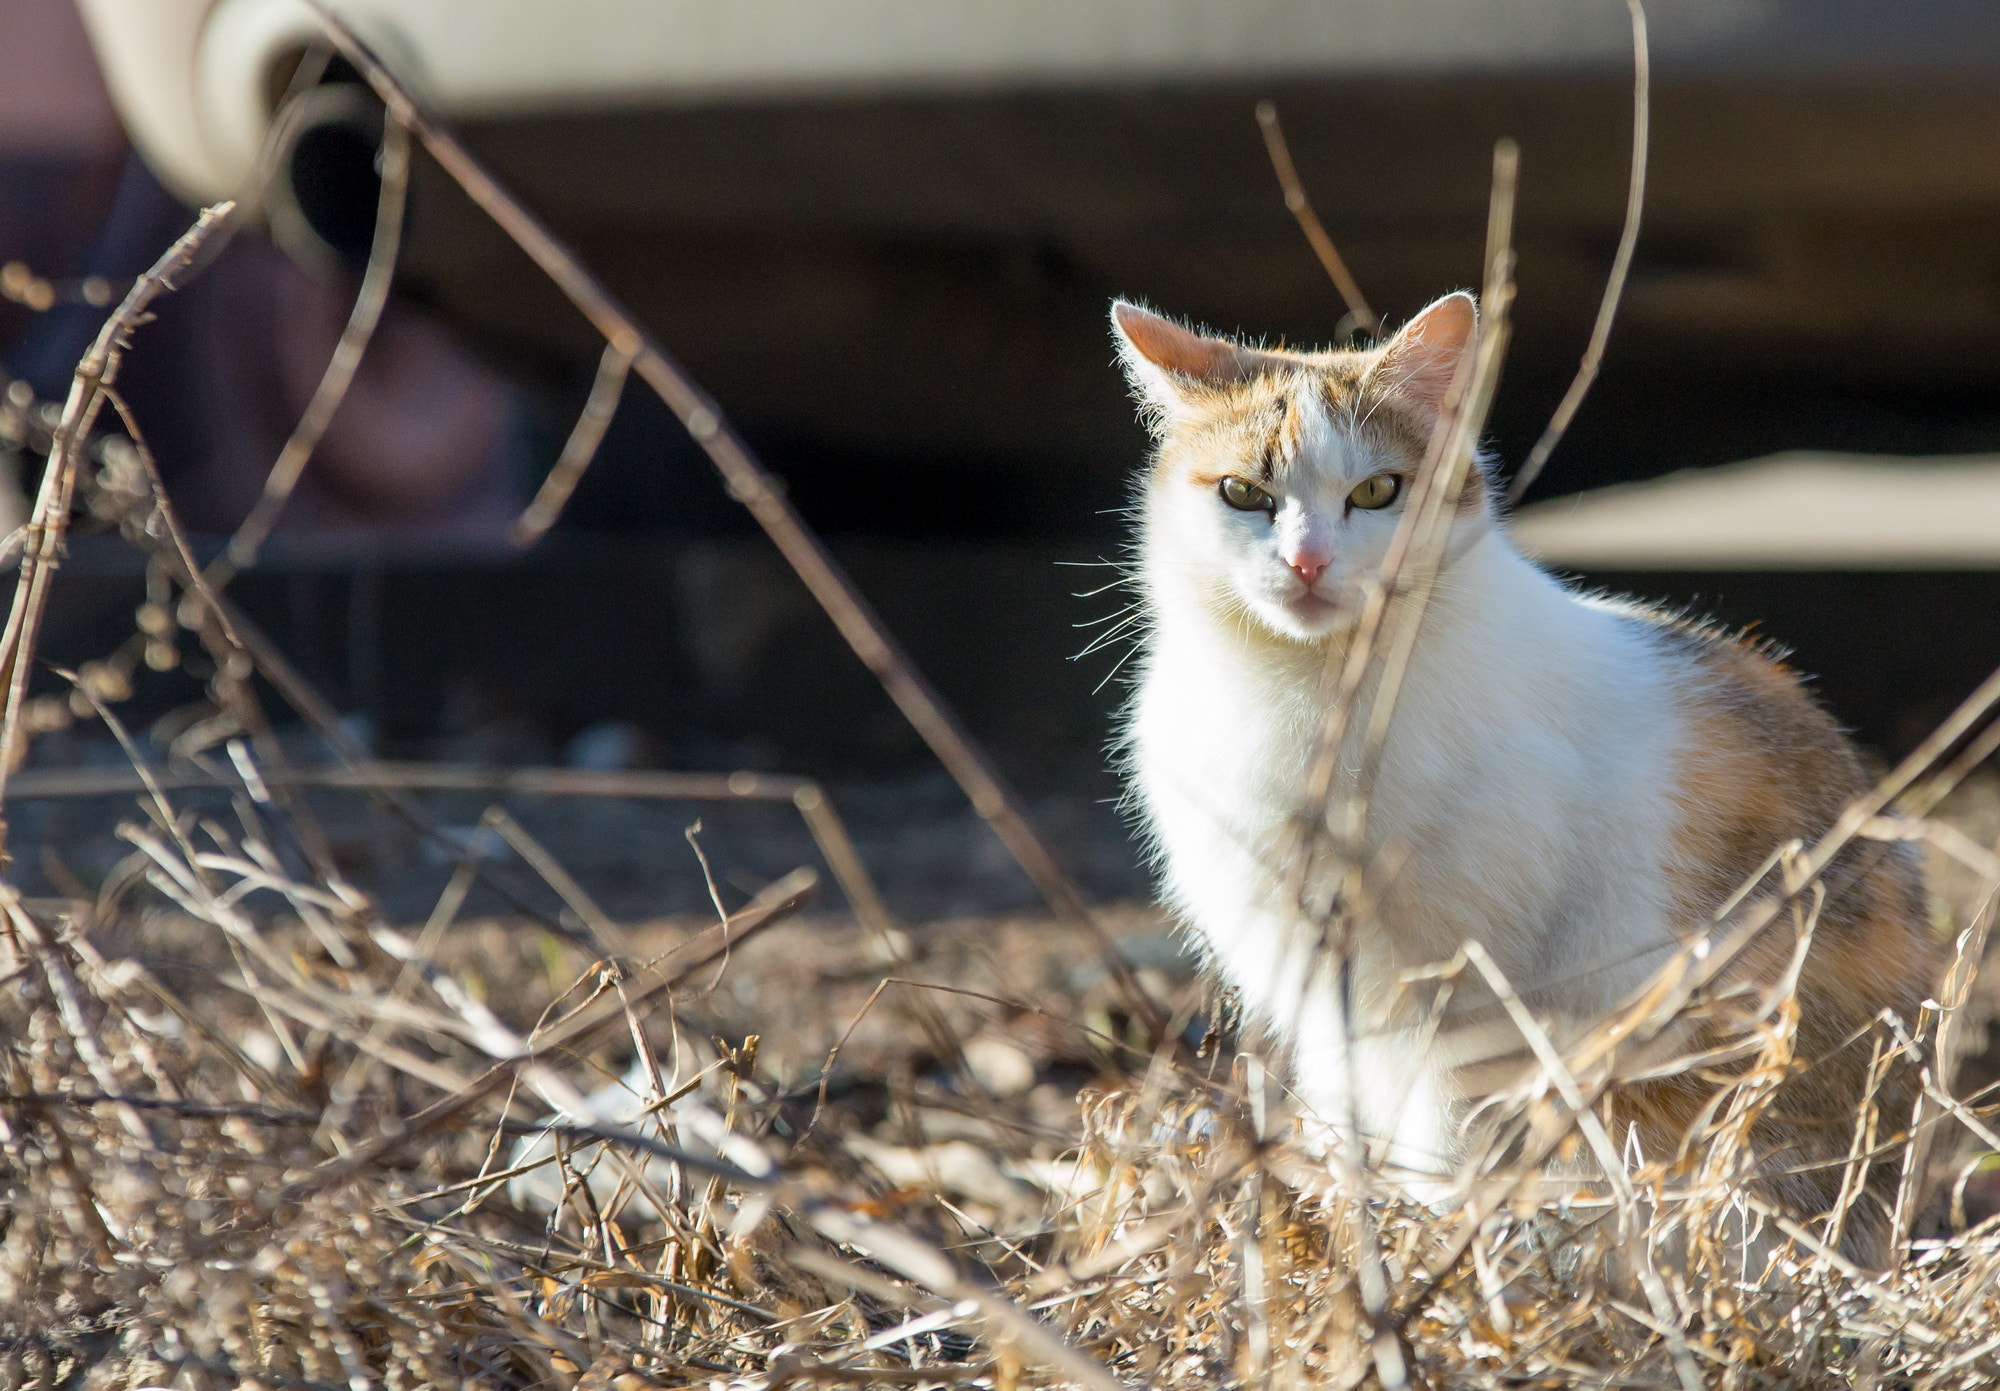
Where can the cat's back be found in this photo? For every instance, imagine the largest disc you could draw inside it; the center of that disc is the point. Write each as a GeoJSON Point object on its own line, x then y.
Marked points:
{"type": "Point", "coordinates": [1763, 766]}
{"type": "Point", "coordinates": [1760, 762]}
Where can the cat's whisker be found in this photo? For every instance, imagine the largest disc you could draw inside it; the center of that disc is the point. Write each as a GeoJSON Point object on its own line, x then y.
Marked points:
{"type": "Point", "coordinates": [1118, 667]}
{"type": "Point", "coordinates": [1109, 637]}
{"type": "Point", "coordinates": [1101, 644]}
{"type": "Point", "coordinates": [1115, 613]}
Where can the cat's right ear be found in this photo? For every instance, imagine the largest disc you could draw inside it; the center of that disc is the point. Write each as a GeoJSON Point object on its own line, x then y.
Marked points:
{"type": "Point", "coordinates": [1163, 361]}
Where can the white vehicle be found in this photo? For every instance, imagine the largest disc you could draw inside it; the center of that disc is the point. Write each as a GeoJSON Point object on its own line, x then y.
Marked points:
{"type": "Point", "coordinates": [196, 78]}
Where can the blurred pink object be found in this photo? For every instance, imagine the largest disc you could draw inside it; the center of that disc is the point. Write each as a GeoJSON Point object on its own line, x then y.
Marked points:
{"type": "Point", "coordinates": [52, 99]}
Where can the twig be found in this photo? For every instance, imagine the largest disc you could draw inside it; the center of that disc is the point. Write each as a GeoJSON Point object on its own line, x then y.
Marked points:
{"type": "Point", "coordinates": [362, 320]}
{"type": "Point", "coordinates": [739, 1160]}
{"type": "Point", "coordinates": [1417, 545]}
{"type": "Point", "coordinates": [1301, 209]}
{"type": "Point", "coordinates": [378, 775]}
{"type": "Point", "coordinates": [189, 1110]}
{"type": "Point", "coordinates": [264, 656]}
{"type": "Point", "coordinates": [225, 645]}
{"type": "Point", "coordinates": [1419, 550]}
{"type": "Point", "coordinates": [584, 437]}
{"type": "Point", "coordinates": [1621, 265]}
{"type": "Point", "coordinates": [47, 526]}
{"type": "Point", "coordinates": [610, 938]}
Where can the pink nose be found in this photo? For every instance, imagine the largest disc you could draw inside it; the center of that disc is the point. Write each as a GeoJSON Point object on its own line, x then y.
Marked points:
{"type": "Point", "coordinates": [1308, 567]}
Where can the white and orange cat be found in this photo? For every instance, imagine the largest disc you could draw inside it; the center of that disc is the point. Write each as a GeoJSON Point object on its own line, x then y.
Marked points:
{"type": "Point", "coordinates": [1575, 783]}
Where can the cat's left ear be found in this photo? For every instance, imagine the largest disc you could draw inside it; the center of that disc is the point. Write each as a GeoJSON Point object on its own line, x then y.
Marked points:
{"type": "Point", "coordinates": [1163, 360]}
{"type": "Point", "coordinates": [1421, 360]}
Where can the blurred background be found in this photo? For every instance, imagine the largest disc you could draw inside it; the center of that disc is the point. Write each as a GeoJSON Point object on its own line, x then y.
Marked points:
{"type": "Point", "coordinates": [883, 234]}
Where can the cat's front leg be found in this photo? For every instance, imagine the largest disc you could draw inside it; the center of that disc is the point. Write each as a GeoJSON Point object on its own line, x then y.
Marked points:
{"type": "Point", "coordinates": [1387, 1084]}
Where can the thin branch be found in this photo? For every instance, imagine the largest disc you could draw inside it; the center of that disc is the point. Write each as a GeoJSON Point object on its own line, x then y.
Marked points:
{"type": "Point", "coordinates": [47, 526]}
{"type": "Point", "coordinates": [585, 436]}
{"type": "Point", "coordinates": [362, 320]}
{"type": "Point", "coordinates": [815, 809]}
{"type": "Point", "coordinates": [1301, 209]}
{"type": "Point", "coordinates": [610, 938]}
{"type": "Point", "coordinates": [1621, 264]}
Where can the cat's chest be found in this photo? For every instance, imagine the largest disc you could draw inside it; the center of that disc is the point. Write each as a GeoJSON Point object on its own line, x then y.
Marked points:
{"type": "Point", "coordinates": [1216, 739]}
{"type": "Point", "coordinates": [1236, 748]}
{"type": "Point", "coordinates": [1483, 803]}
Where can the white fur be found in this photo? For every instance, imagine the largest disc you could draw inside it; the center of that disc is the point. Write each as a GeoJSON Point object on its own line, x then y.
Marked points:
{"type": "Point", "coordinates": [1524, 787]}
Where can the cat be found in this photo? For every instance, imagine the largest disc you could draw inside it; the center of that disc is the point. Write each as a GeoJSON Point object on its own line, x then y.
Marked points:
{"type": "Point", "coordinates": [1576, 783]}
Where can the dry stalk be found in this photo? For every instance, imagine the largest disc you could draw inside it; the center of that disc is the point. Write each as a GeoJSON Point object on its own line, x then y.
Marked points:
{"type": "Point", "coordinates": [1621, 264]}
{"type": "Point", "coordinates": [1299, 204]}
{"type": "Point", "coordinates": [47, 526]}
{"type": "Point", "coordinates": [369, 301]}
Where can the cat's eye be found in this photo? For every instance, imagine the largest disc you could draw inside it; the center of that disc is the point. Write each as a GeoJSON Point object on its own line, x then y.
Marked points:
{"type": "Point", "coordinates": [1245, 496]}
{"type": "Point", "coordinates": [1377, 492]}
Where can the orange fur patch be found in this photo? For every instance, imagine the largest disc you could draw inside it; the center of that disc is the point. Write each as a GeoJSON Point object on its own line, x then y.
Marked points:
{"type": "Point", "coordinates": [1765, 766]}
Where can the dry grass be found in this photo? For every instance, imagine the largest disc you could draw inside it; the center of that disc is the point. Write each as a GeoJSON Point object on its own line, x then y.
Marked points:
{"type": "Point", "coordinates": [221, 1169]}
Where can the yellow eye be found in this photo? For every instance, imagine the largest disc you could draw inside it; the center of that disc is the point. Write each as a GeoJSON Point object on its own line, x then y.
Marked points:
{"type": "Point", "coordinates": [1379, 491]}
{"type": "Point", "coordinates": [1245, 496]}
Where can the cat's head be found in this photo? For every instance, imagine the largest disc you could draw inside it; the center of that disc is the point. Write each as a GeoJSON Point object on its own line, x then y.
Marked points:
{"type": "Point", "coordinates": [1280, 476]}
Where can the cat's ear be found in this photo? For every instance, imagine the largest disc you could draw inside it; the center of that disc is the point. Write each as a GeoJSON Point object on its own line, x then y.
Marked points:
{"type": "Point", "coordinates": [1162, 360]}
{"type": "Point", "coordinates": [1421, 360]}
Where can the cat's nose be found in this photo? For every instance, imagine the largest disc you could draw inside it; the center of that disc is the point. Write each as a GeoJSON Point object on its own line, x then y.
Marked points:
{"type": "Point", "coordinates": [1308, 567]}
